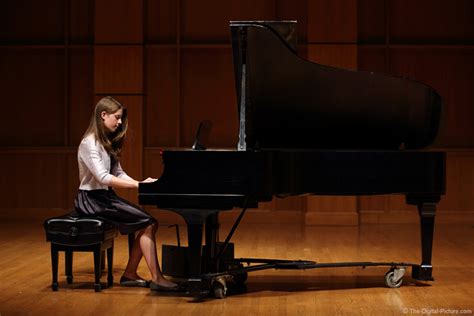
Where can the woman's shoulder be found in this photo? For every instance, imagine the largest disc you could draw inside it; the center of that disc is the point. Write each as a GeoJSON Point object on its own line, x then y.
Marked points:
{"type": "Point", "coordinates": [88, 140]}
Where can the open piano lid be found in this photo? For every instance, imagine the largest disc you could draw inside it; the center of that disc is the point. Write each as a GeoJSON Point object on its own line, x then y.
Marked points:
{"type": "Point", "coordinates": [285, 101]}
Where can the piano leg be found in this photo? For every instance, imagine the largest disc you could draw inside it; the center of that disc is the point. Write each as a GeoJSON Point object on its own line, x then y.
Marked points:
{"type": "Point", "coordinates": [212, 234]}
{"type": "Point", "coordinates": [194, 256]}
{"type": "Point", "coordinates": [195, 221]}
{"type": "Point", "coordinates": [427, 211]}
{"type": "Point", "coordinates": [211, 243]}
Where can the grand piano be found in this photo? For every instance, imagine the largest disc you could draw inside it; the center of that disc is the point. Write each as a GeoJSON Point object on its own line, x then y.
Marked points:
{"type": "Point", "coordinates": [304, 128]}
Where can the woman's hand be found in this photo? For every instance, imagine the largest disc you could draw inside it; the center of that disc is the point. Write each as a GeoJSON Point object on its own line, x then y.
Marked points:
{"type": "Point", "coordinates": [148, 180]}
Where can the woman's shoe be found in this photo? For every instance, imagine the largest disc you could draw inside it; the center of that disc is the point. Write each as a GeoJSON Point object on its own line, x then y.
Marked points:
{"type": "Point", "coordinates": [124, 281]}
{"type": "Point", "coordinates": [159, 288]}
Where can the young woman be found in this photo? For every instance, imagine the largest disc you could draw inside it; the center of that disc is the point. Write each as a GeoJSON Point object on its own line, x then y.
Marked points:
{"type": "Point", "coordinates": [99, 172]}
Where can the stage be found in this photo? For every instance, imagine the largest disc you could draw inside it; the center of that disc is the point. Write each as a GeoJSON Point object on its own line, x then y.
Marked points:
{"type": "Point", "coordinates": [26, 274]}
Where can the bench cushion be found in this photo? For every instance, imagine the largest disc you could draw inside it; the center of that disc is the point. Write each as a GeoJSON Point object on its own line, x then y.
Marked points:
{"type": "Point", "coordinates": [78, 231]}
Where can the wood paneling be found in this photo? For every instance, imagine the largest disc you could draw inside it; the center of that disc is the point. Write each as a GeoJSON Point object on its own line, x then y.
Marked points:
{"type": "Point", "coordinates": [372, 58]}
{"type": "Point", "coordinates": [24, 21]}
{"type": "Point", "coordinates": [118, 21]}
{"type": "Point", "coordinates": [160, 58]}
{"type": "Point", "coordinates": [294, 10]}
{"type": "Point", "coordinates": [332, 21]}
{"type": "Point", "coordinates": [32, 88]}
{"type": "Point", "coordinates": [81, 28]}
{"type": "Point", "coordinates": [81, 98]}
{"type": "Point", "coordinates": [295, 204]}
{"type": "Point", "coordinates": [450, 70]}
{"type": "Point", "coordinates": [460, 183]}
{"type": "Point", "coordinates": [162, 25]}
{"type": "Point", "coordinates": [454, 206]}
{"type": "Point", "coordinates": [371, 21]}
{"type": "Point", "coordinates": [72, 179]}
{"type": "Point", "coordinates": [331, 210]}
{"type": "Point", "coordinates": [162, 102]}
{"type": "Point", "coordinates": [118, 69]}
{"type": "Point", "coordinates": [415, 47]}
{"type": "Point", "coordinates": [200, 23]}
{"type": "Point", "coordinates": [340, 56]}
{"type": "Point", "coordinates": [427, 21]}
{"type": "Point", "coordinates": [153, 164]}
{"type": "Point", "coordinates": [386, 209]}
{"type": "Point", "coordinates": [34, 178]}
{"type": "Point", "coordinates": [207, 93]}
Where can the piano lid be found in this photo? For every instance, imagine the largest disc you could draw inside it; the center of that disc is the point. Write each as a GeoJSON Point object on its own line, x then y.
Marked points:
{"type": "Point", "coordinates": [285, 101]}
{"type": "Point", "coordinates": [286, 30]}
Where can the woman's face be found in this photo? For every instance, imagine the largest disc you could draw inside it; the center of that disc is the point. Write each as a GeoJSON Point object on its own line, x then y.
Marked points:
{"type": "Point", "coordinates": [113, 120]}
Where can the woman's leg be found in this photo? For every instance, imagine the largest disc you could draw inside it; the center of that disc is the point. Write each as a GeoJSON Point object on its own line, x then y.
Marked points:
{"type": "Point", "coordinates": [145, 245]}
{"type": "Point", "coordinates": [148, 246]}
{"type": "Point", "coordinates": [134, 259]}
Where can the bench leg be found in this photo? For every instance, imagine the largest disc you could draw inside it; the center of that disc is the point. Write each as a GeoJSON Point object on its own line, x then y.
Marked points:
{"type": "Point", "coordinates": [97, 267]}
{"type": "Point", "coordinates": [131, 241]}
{"type": "Point", "coordinates": [54, 264]}
{"type": "Point", "coordinates": [102, 261]}
{"type": "Point", "coordinates": [68, 261]}
{"type": "Point", "coordinates": [110, 260]}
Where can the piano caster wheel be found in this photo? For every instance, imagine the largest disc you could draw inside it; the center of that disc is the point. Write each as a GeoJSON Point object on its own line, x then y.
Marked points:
{"type": "Point", "coordinates": [220, 288]}
{"type": "Point", "coordinates": [394, 277]}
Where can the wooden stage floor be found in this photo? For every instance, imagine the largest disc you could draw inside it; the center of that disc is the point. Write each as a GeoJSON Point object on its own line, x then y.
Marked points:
{"type": "Point", "coordinates": [25, 274]}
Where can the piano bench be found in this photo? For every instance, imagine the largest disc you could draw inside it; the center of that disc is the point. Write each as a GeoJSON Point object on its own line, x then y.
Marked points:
{"type": "Point", "coordinates": [70, 233]}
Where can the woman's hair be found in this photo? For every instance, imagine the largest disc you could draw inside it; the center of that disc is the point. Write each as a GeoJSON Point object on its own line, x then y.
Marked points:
{"type": "Point", "coordinates": [112, 142]}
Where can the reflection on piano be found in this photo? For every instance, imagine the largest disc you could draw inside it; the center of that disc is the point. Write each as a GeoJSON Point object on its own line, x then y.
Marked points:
{"type": "Point", "coordinates": [304, 129]}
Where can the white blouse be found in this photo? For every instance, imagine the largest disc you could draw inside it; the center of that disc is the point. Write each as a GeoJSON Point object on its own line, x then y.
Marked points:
{"type": "Point", "coordinates": [94, 165]}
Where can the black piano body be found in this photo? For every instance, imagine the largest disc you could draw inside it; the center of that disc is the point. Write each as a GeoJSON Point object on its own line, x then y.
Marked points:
{"type": "Point", "coordinates": [304, 129]}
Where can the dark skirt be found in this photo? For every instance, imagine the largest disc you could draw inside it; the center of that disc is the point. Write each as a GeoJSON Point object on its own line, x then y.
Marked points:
{"type": "Point", "coordinates": [127, 217]}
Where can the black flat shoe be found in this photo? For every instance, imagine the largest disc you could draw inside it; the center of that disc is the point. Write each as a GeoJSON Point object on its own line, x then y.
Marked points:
{"type": "Point", "coordinates": [159, 288]}
{"type": "Point", "coordinates": [124, 281]}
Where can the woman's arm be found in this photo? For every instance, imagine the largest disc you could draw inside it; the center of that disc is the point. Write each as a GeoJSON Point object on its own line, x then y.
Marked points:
{"type": "Point", "coordinates": [116, 182]}
{"type": "Point", "coordinates": [122, 180]}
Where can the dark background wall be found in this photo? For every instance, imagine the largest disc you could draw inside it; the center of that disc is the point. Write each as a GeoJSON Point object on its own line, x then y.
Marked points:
{"type": "Point", "coordinates": [170, 62]}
